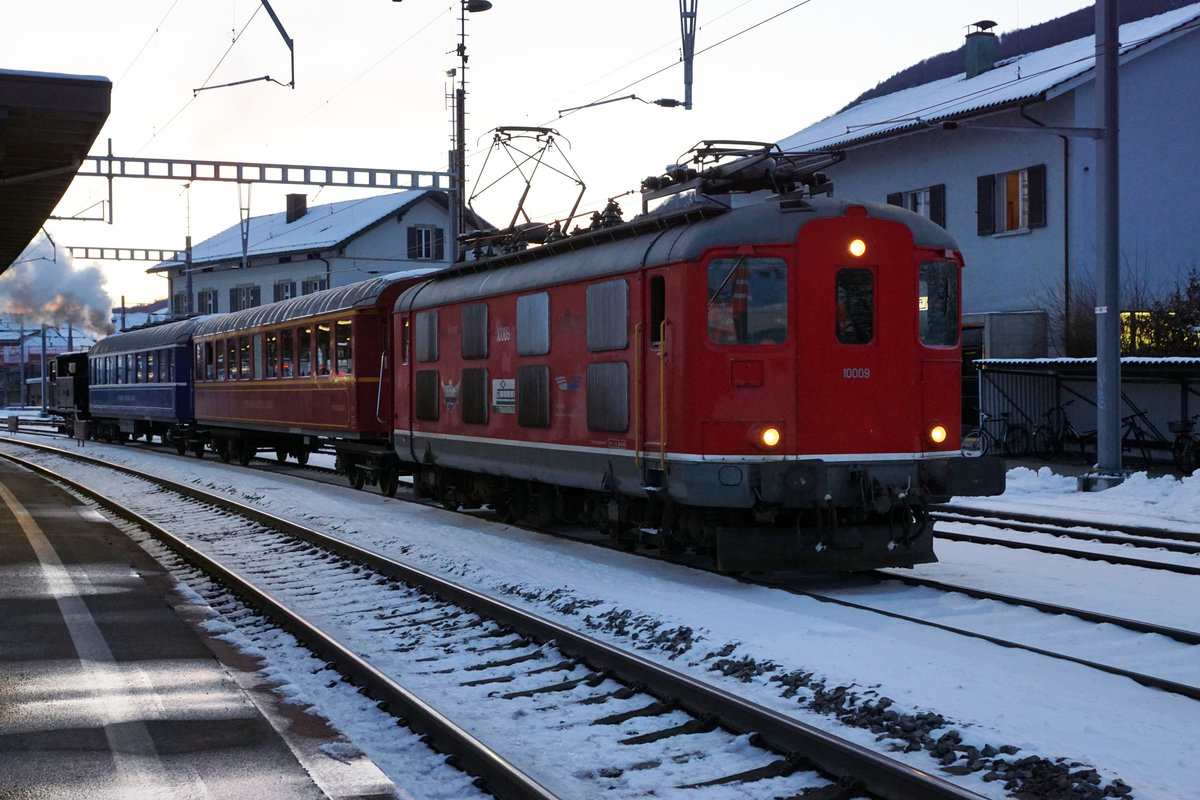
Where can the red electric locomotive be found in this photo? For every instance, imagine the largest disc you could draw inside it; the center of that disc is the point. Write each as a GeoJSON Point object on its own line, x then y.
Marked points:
{"type": "Point", "coordinates": [289, 376]}
{"type": "Point", "coordinates": [775, 383]}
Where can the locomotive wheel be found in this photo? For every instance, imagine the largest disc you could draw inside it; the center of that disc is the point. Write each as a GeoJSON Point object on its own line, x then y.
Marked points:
{"type": "Point", "coordinates": [302, 457]}
{"type": "Point", "coordinates": [245, 452]}
{"type": "Point", "coordinates": [389, 481]}
{"type": "Point", "coordinates": [281, 454]}
{"type": "Point", "coordinates": [223, 451]}
{"type": "Point", "coordinates": [198, 449]}
{"type": "Point", "coordinates": [356, 477]}
{"type": "Point", "coordinates": [181, 446]}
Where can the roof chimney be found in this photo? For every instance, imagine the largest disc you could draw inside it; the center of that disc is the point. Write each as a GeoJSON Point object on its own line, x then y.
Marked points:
{"type": "Point", "coordinates": [981, 47]}
{"type": "Point", "coordinates": [297, 207]}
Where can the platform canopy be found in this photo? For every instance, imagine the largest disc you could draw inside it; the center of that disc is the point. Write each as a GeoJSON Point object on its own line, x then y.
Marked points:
{"type": "Point", "coordinates": [48, 123]}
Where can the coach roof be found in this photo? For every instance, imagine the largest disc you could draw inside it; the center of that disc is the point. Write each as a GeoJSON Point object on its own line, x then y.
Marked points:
{"type": "Point", "coordinates": [158, 336]}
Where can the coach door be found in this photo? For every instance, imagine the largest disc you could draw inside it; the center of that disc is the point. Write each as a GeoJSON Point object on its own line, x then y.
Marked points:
{"type": "Point", "coordinates": [857, 379]}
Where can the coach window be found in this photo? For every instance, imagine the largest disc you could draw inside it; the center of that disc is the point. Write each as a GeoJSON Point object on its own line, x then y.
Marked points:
{"type": "Point", "coordinates": [257, 357]}
{"type": "Point", "coordinates": [210, 361]}
{"type": "Point", "coordinates": [533, 324]}
{"type": "Point", "coordinates": [272, 352]}
{"type": "Point", "coordinates": [426, 343]}
{"type": "Point", "coordinates": [169, 358]}
{"type": "Point", "coordinates": [937, 303]}
{"type": "Point", "coordinates": [855, 297]}
{"type": "Point", "coordinates": [304, 351]}
{"type": "Point", "coordinates": [475, 331]}
{"type": "Point", "coordinates": [608, 316]}
{"type": "Point", "coordinates": [152, 367]}
{"type": "Point", "coordinates": [139, 368]}
{"type": "Point", "coordinates": [286, 349]}
{"type": "Point", "coordinates": [244, 359]}
{"type": "Point", "coordinates": [219, 347]}
{"type": "Point", "coordinates": [231, 349]}
{"type": "Point", "coordinates": [323, 348]}
{"type": "Point", "coordinates": [127, 368]}
{"type": "Point", "coordinates": [345, 356]}
{"type": "Point", "coordinates": [747, 301]}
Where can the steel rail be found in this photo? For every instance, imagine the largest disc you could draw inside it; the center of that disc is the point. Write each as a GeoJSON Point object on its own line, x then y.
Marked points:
{"type": "Point", "coordinates": [850, 763]}
{"type": "Point", "coordinates": [1164, 540]}
{"type": "Point", "coordinates": [1124, 561]}
{"type": "Point", "coordinates": [1062, 522]}
{"type": "Point", "coordinates": [500, 777]}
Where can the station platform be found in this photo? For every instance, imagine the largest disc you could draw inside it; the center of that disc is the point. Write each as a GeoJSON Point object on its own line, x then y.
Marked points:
{"type": "Point", "coordinates": [110, 689]}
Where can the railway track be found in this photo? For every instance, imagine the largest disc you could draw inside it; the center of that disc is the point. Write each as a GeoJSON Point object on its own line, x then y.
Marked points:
{"type": "Point", "coordinates": [620, 724]}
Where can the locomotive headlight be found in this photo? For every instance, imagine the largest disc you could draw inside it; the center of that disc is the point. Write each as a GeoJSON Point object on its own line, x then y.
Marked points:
{"type": "Point", "coordinates": [857, 248]}
{"type": "Point", "coordinates": [937, 434]}
{"type": "Point", "coordinates": [769, 437]}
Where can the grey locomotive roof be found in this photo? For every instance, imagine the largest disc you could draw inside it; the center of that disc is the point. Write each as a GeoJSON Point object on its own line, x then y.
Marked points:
{"type": "Point", "coordinates": [755, 224]}
{"type": "Point", "coordinates": [174, 333]}
{"type": "Point", "coordinates": [329, 301]}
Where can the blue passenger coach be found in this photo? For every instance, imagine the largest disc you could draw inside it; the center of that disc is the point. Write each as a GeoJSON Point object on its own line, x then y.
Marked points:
{"type": "Point", "coordinates": [141, 384]}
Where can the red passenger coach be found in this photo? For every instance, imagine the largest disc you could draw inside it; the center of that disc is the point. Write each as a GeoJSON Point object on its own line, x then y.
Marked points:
{"type": "Point", "coordinates": [774, 384]}
{"type": "Point", "coordinates": [290, 376]}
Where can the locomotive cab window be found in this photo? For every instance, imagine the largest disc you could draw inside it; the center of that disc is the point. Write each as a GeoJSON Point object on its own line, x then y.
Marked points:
{"type": "Point", "coordinates": [855, 319]}
{"type": "Point", "coordinates": [937, 303]}
{"type": "Point", "coordinates": [747, 301]}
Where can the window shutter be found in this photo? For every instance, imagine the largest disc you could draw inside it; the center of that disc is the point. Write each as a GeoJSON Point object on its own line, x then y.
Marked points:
{"type": "Point", "coordinates": [439, 244]}
{"type": "Point", "coordinates": [278, 292]}
{"type": "Point", "coordinates": [937, 204]}
{"type": "Point", "coordinates": [413, 249]}
{"type": "Point", "coordinates": [1037, 196]}
{"type": "Point", "coordinates": [233, 303]}
{"type": "Point", "coordinates": [985, 209]}
{"type": "Point", "coordinates": [255, 296]}
{"type": "Point", "coordinates": [895, 199]}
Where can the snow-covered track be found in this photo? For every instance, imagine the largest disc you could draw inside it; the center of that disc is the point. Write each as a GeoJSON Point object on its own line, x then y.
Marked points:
{"type": "Point", "coordinates": [427, 617]}
{"type": "Point", "coordinates": [1136, 535]}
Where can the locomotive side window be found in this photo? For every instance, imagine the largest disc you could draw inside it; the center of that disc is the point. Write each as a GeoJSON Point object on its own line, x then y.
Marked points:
{"type": "Point", "coordinates": [427, 336]}
{"type": "Point", "coordinates": [345, 361]}
{"type": "Point", "coordinates": [473, 396]}
{"type": "Point", "coordinates": [658, 308]}
{"type": "Point", "coordinates": [323, 342]}
{"type": "Point", "coordinates": [608, 396]}
{"type": "Point", "coordinates": [938, 303]}
{"type": "Point", "coordinates": [533, 396]}
{"type": "Point", "coordinates": [426, 395]}
{"type": "Point", "coordinates": [747, 300]}
{"type": "Point", "coordinates": [475, 330]}
{"type": "Point", "coordinates": [304, 351]}
{"type": "Point", "coordinates": [855, 319]}
{"type": "Point", "coordinates": [533, 324]}
{"type": "Point", "coordinates": [608, 316]}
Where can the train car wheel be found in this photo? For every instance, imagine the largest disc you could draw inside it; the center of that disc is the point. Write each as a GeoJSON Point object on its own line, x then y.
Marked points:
{"type": "Point", "coordinates": [223, 451]}
{"type": "Point", "coordinates": [356, 477]}
{"type": "Point", "coordinates": [181, 446]}
{"type": "Point", "coordinates": [281, 454]}
{"type": "Point", "coordinates": [389, 482]}
{"type": "Point", "coordinates": [198, 449]}
{"type": "Point", "coordinates": [245, 452]}
{"type": "Point", "coordinates": [302, 457]}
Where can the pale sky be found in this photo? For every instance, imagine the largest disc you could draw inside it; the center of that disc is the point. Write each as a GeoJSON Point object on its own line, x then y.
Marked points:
{"type": "Point", "coordinates": [371, 90]}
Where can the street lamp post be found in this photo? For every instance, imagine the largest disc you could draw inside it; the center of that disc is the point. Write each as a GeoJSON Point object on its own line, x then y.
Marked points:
{"type": "Point", "coordinates": [458, 157]}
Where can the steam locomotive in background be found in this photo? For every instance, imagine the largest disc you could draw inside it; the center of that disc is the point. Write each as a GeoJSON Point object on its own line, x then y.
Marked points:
{"type": "Point", "coordinates": [772, 381]}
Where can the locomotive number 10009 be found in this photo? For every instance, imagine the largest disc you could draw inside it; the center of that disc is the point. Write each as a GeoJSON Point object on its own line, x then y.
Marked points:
{"type": "Point", "coordinates": [859, 373]}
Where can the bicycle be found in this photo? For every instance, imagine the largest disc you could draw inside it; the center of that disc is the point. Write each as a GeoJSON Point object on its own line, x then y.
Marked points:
{"type": "Point", "coordinates": [1057, 435]}
{"type": "Point", "coordinates": [1013, 440]}
{"type": "Point", "coordinates": [1132, 435]}
{"type": "Point", "coordinates": [1183, 449]}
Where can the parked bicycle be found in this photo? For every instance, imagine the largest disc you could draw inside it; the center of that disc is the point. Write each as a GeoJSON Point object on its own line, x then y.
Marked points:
{"type": "Point", "coordinates": [1133, 436]}
{"type": "Point", "coordinates": [1183, 449]}
{"type": "Point", "coordinates": [1012, 441]}
{"type": "Point", "coordinates": [1057, 435]}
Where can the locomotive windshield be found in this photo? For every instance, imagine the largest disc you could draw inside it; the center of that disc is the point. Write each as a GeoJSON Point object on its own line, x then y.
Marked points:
{"type": "Point", "coordinates": [747, 300]}
{"type": "Point", "coordinates": [938, 303]}
{"type": "Point", "coordinates": [855, 295]}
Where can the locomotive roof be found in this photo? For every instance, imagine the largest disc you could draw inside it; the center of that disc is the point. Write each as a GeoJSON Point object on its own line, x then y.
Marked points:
{"type": "Point", "coordinates": [173, 333]}
{"type": "Point", "coordinates": [655, 239]}
{"type": "Point", "coordinates": [329, 301]}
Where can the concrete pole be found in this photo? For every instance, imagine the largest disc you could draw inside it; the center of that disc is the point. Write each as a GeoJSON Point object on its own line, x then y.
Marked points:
{"type": "Point", "coordinates": [1108, 276]}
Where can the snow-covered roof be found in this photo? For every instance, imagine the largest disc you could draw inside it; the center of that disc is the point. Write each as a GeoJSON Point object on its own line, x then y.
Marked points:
{"type": "Point", "coordinates": [323, 227]}
{"type": "Point", "coordinates": [1044, 72]}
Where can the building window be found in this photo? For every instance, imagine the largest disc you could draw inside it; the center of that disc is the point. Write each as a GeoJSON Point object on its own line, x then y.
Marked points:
{"type": "Point", "coordinates": [425, 243]}
{"type": "Point", "coordinates": [246, 296]}
{"type": "Point", "coordinates": [929, 202]}
{"type": "Point", "coordinates": [315, 284]}
{"type": "Point", "coordinates": [206, 301]}
{"type": "Point", "coordinates": [284, 290]}
{"type": "Point", "coordinates": [179, 304]}
{"type": "Point", "coordinates": [1012, 201]}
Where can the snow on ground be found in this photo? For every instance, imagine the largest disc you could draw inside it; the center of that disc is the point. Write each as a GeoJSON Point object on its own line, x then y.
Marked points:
{"type": "Point", "coordinates": [695, 621]}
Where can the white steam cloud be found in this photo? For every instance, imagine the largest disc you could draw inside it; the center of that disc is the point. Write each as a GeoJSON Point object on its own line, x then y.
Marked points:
{"type": "Point", "coordinates": [43, 286]}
